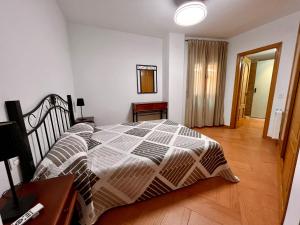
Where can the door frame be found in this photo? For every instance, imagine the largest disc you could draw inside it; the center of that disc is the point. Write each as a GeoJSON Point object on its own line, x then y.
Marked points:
{"type": "Point", "coordinates": [237, 84]}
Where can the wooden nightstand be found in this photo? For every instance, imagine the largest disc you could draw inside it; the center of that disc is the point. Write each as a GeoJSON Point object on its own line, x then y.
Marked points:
{"type": "Point", "coordinates": [58, 197]}
{"type": "Point", "coordinates": [89, 119]}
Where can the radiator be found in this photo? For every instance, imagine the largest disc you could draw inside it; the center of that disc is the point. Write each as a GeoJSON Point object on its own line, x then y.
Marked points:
{"type": "Point", "coordinates": [276, 124]}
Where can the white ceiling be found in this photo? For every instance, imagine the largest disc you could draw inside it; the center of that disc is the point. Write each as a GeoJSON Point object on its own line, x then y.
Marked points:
{"type": "Point", "coordinates": [264, 55]}
{"type": "Point", "coordinates": [226, 18]}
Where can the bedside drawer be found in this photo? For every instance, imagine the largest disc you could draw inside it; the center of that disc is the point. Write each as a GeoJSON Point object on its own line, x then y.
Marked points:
{"type": "Point", "coordinates": [68, 210]}
{"type": "Point", "coordinates": [56, 194]}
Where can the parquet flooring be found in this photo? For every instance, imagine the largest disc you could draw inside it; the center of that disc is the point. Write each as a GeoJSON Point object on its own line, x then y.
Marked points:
{"type": "Point", "coordinates": [253, 201]}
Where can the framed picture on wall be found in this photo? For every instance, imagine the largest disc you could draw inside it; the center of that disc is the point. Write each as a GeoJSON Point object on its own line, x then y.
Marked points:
{"type": "Point", "coordinates": [146, 79]}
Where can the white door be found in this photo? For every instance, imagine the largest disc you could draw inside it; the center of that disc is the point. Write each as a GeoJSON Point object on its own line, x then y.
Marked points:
{"type": "Point", "coordinates": [262, 85]}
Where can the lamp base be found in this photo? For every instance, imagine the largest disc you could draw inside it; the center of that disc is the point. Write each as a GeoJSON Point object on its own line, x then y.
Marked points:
{"type": "Point", "coordinates": [10, 211]}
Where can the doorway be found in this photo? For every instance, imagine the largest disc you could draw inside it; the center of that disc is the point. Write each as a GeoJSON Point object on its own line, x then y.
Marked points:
{"type": "Point", "coordinates": [255, 81]}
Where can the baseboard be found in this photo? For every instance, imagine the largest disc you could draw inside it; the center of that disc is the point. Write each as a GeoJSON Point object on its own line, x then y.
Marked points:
{"type": "Point", "coordinates": [271, 139]}
{"type": "Point", "coordinates": [220, 126]}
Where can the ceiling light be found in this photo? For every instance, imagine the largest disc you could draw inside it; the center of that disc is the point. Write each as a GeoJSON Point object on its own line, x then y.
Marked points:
{"type": "Point", "coordinates": [190, 13]}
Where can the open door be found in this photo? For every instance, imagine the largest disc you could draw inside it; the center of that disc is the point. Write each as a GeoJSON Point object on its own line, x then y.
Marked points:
{"type": "Point", "coordinates": [291, 151]}
{"type": "Point", "coordinates": [290, 131]}
{"type": "Point", "coordinates": [245, 71]}
{"type": "Point", "coordinates": [293, 87]}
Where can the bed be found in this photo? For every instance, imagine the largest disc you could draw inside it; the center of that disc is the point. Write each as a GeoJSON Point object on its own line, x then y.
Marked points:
{"type": "Point", "coordinates": [117, 164]}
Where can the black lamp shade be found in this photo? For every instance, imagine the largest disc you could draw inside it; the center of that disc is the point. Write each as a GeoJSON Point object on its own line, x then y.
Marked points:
{"type": "Point", "coordinates": [10, 139]}
{"type": "Point", "coordinates": [80, 102]}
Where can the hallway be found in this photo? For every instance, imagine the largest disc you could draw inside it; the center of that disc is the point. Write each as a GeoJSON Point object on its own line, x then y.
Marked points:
{"type": "Point", "coordinates": [250, 123]}
{"type": "Point", "coordinates": [253, 201]}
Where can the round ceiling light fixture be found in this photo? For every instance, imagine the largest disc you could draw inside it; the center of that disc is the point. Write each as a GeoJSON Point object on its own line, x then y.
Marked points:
{"type": "Point", "coordinates": [190, 13]}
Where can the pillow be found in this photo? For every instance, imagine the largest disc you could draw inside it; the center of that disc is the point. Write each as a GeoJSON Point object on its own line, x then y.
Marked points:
{"type": "Point", "coordinates": [71, 147]}
{"type": "Point", "coordinates": [83, 130]}
{"type": "Point", "coordinates": [81, 127]}
{"type": "Point", "coordinates": [65, 152]}
{"type": "Point", "coordinates": [69, 156]}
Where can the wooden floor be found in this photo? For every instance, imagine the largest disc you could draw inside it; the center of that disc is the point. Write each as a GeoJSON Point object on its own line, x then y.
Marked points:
{"type": "Point", "coordinates": [253, 201]}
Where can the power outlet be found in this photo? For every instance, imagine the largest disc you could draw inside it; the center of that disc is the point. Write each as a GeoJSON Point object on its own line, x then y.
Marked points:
{"type": "Point", "coordinates": [15, 162]}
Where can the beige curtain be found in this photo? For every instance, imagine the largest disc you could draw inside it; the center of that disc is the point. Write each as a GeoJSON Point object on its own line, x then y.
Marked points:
{"type": "Point", "coordinates": [206, 83]}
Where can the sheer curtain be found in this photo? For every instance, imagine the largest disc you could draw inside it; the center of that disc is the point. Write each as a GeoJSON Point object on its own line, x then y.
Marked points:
{"type": "Point", "coordinates": [206, 83]}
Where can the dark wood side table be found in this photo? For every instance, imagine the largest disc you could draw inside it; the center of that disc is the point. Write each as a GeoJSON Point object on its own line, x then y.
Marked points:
{"type": "Point", "coordinates": [58, 197]}
{"type": "Point", "coordinates": [149, 108]}
{"type": "Point", "coordinates": [89, 119]}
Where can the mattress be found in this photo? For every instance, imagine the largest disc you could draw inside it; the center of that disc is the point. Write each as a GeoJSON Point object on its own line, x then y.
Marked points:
{"type": "Point", "coordinates": [133, 162]}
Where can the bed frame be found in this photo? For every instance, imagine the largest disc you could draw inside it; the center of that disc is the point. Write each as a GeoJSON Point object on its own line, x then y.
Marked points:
{"type": "Point", "coordinates": [41, 127]}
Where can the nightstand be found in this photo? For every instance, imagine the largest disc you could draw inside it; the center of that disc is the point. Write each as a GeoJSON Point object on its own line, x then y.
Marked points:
{"type": "Point", "coordinates": [58, 197]}
{"type": "Point", "coordinates": [89, 119]}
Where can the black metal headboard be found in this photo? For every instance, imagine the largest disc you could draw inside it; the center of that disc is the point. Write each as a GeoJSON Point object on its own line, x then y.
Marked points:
{"type": "Point", "coordinates": [40, 127]}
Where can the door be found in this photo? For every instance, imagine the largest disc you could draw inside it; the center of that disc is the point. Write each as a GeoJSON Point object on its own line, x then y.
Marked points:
{"type": "Point", "coordinates": [290, 130]}
{"type": "Point", "coordinates": [250, 91]}
{"type": "Point", "coordinates": [245, 71]}
{"type": "Point", "coordinates": [292, 148]}
{"type": "Point", "coordinates": [290, 99]}
{"type": "Point", "coordinates": [264, 72]}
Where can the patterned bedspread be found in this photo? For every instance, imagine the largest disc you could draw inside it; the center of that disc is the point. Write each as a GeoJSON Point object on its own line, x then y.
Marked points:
{"type": "Point", "coordinates": [136, 161]}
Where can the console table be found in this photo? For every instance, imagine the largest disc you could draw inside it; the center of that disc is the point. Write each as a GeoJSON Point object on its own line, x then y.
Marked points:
{"type": "Point", "coordinates": [149, 108]}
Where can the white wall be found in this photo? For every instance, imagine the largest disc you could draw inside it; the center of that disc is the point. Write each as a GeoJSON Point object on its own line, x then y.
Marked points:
{"type": "Point", "coordinates": [284, 29]}
{"type": "Point", "coordinates": [104, 64]}
{"type": "Point", "coordinates": [262, 84]}
{"type": "Point", "coordinates": [34, 56]}
{"type": "Point", "coordinates": [166, 68]}
{"type": "Point", "coordinates": [293, 211]}
{"type": "Point", "coordinates": [176, 77]}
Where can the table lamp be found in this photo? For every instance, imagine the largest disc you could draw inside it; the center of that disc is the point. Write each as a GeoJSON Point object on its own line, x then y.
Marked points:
{"type": "Point", "coordinates": [11, 144]}
{"type": "Point", "coordinates": [80, 102]}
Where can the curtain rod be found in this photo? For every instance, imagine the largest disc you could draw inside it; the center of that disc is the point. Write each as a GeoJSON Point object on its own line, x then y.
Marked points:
{"type": "Point", "coordinates": [206, 39]}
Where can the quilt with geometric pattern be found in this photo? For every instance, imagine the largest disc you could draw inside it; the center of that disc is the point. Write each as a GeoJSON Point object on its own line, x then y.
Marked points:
{"type": "Point", "coordinates": [133, 162]}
